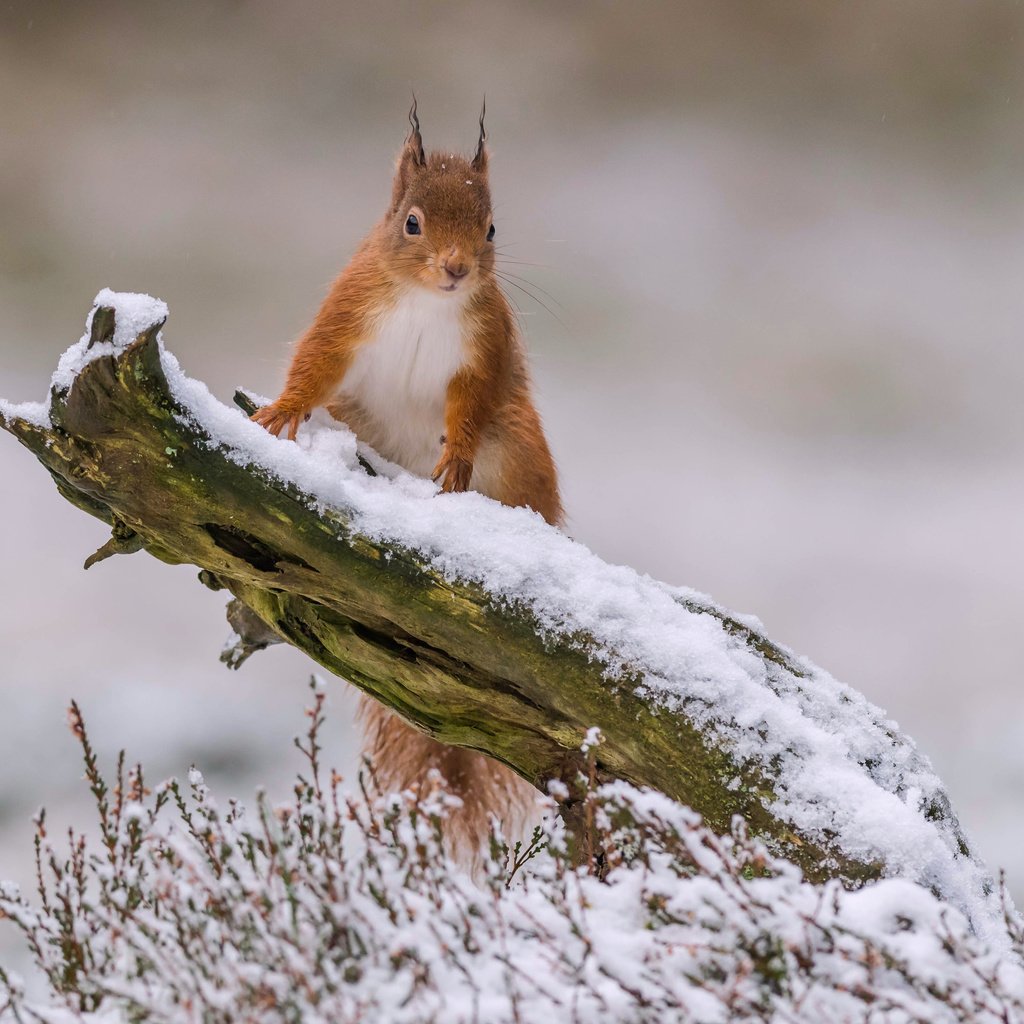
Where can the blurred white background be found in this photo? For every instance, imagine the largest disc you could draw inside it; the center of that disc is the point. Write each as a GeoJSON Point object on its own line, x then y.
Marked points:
{"type": "Point", "coordinates": [783, 245]}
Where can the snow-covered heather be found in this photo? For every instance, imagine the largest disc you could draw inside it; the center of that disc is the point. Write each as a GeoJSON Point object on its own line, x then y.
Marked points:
{"type": "Point", "coordinates": [334, 909]}
{"type": "Point", "coordinates": [839, 767]}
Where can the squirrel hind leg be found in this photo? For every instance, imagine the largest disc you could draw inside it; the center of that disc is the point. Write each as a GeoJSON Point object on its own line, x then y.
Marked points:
{"type": "Point", "coordinates": [403, 758]}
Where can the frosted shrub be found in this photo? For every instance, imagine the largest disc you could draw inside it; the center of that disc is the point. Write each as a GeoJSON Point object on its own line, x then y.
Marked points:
{"type": "Point", "coordinates": [340, 907]}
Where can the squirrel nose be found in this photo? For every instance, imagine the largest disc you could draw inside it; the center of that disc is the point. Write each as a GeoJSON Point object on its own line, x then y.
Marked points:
{"type": "Point", "coordinates": [454, 264]}
{"type": "Point", "coordinates": [459, 269]}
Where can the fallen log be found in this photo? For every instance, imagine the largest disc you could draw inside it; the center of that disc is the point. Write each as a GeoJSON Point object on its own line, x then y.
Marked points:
{"type": "Point", "coordinates": [483, 626]}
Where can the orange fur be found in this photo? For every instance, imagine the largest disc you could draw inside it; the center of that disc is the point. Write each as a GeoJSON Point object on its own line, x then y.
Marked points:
{"type": "Point", "coordinates": [403, 758]}
{"type": "Point", "coordinates": [489, 436]}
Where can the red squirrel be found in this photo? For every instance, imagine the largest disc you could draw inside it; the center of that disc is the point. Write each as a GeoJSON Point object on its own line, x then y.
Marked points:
{"type": "Point", "coordinates": [415, 348]}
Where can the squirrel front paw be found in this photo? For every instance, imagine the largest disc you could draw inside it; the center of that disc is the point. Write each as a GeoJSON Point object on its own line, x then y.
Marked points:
{"type": "Point", "coordinates": [276, 417]}
{"type": "Point", "coordinates": [452, 471]}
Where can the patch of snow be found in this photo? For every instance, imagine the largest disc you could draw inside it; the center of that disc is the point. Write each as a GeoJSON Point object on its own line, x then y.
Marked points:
{"type": "Point", "coordinates": [36, 413]}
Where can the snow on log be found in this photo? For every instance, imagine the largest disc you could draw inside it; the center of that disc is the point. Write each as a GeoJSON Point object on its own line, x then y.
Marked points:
{"type": "Point", "coordinates": [486, 627]}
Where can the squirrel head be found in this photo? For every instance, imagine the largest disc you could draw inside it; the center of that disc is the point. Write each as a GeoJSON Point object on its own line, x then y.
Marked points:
{"type": "Point", "coordinates": [438, 232]}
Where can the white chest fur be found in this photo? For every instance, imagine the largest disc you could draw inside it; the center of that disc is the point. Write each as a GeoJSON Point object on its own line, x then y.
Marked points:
{"type": "Point", "coordinates": [400, 376]}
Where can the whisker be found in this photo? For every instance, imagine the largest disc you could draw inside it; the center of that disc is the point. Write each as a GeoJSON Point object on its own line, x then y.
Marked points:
{"type": "Point", "coordinates": [521, 316]}
{"type": "Point", "coordinates": [526, 291]}
{"type": "Point", "coordinates": [532, 284]}
{"type": "Point", "coordinates": [522, 263]}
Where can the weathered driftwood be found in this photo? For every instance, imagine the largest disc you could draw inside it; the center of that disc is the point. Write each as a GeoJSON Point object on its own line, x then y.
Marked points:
{"type": "Point", "coordinates": [443, 655]}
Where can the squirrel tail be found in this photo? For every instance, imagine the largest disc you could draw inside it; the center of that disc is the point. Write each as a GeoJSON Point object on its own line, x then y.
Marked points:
{"type": "Point", "coordinates": [404, 757]}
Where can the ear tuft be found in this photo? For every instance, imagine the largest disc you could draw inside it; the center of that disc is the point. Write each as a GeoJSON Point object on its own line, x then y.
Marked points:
{"type": "Point", "coordinates": [414, 142]}
{"type": "Point", "coordinates": [411, 160]}
{"type": "Point", "coordinates": [480, 157]}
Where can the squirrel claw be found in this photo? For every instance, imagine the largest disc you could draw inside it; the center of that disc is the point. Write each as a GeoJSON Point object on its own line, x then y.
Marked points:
{"type": "Point", "coordinates": [453, 473]}
{"type": "Point", "coordinates": [275, 420]}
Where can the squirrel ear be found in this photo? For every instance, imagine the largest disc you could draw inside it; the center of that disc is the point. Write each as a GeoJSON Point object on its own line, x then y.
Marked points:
{"type": "Point", "coordinates": [411, 159]}
{"type": "Point", "coordinates": [480, 158]}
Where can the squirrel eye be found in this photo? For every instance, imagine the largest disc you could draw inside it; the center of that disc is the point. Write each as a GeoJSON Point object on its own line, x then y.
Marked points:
{"type": "Point", "coordinates": [412, 224]}
{"type": "Point", "coordinates": [490, 233]}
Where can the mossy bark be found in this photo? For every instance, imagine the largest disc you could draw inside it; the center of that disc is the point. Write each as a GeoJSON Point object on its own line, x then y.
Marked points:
{"type": "Point", "coordinates": [444, 655]}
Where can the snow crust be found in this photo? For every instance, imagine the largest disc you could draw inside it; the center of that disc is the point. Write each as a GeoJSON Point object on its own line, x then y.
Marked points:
{"type": "Point", "coordinates": [36, 413]}
{"type": "Point", "coordinates": [840, 768]}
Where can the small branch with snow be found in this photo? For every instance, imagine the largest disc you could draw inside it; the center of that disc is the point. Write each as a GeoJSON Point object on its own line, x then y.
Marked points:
{"type": "Point", "coordinates": [487, 628]}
